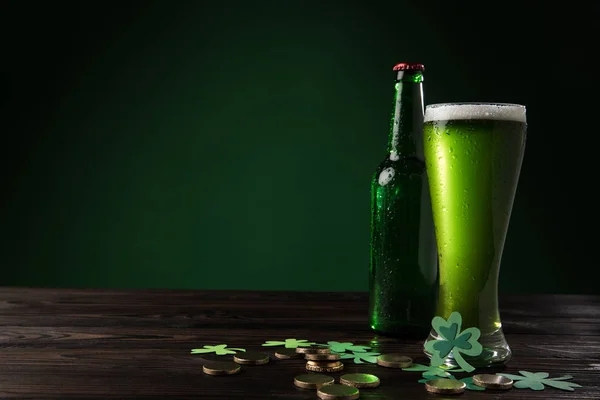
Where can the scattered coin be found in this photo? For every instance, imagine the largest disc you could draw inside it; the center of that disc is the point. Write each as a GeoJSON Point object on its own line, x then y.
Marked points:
{"type": "Point", "coordinates": [251, 358]}
{"type": "Point", "coordinates": [490, 381]}
{"type": "Point", "coordinates": [394, 360]}
{"type": "Point", "coordinates": [285, 354]}
{"type": "Point", "coordinates": [324, 366]}
{"type": "Point", "coordinates": [337, 392]}
{"type": "Point", "coordinates": [445, 386]}
{"type": "Point", "coordinates": [360, 380]}
{"type": "Point", "coordinates": [313, 349]}
{"type": "Point", "coordinates": [321, 356]}
{"type": "Point", "coordinates": [221, 368]}
{"type": "Point", "coordinates": [312, 381]}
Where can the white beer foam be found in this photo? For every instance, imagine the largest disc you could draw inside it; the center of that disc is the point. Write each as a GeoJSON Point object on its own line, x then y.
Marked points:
{"type": "Point", "coordinates": [495, 111]}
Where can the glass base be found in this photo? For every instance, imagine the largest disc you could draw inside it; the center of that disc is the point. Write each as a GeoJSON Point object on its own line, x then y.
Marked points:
{"type": "Point", "coordinates": [496, 351]}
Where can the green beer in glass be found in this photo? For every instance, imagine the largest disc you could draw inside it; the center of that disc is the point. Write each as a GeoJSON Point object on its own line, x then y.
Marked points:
{"type": "Point", "coordinates": [473, 156]}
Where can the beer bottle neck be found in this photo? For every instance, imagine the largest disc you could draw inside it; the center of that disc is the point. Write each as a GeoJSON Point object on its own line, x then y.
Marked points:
{"type": "Point", "coordinates": [406, 131]}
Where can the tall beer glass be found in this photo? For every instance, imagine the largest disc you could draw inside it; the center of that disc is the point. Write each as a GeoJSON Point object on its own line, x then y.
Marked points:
{"type": "Point", "coordinates": [473, 154]}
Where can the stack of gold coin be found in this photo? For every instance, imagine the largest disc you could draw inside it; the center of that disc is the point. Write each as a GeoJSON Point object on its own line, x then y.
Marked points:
{"type": "Point", "coordinates": [320, 359]}
{"type": "Point", "coordinates": [324, 366]}
{"type": "Point", "coordinates": [313, 349]}
{"type": "Point", "coordinates": [285, 354]}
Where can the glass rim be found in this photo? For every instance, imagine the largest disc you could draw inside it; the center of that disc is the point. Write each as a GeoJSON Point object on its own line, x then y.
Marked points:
{"type": "Point", "coordinates": [475, 103]}
{"type": "Point", "coordinates": [475, 111]}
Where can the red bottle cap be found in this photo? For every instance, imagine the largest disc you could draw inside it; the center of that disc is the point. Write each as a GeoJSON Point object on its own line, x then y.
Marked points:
{"type": "Point", "coordinates": [409, 67]}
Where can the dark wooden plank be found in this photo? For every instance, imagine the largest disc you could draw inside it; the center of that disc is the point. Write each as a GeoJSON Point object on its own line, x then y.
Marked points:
{"type": "Point", "coordinates": [121, 344]}
{"type": "Point", "coordinates": [284, 319]}
{"type": "Point", "coordinates": [107, 337]}
{"type": "Point", "coordinates": [159, 371]}
{"type": "Point", "coordinates": [49, 307]}
{"type": "Point", "coordinates": [551, 305]}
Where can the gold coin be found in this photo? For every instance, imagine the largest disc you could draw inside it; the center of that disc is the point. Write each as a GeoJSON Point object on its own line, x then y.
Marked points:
{"type": "Point", "coordinates": [251, 358]}
{"type": "Point", "coordinates": [360, 380]}
{"type": "Point", "coordinates": [321, 356]}
{"type": "Point", "coordinates": [221, 368]}
{"type": "Point", "coordinates": [394, 360]}
{"type": "Point", "coordinates": [324, 366]}
{"type": "Point", "coordinates": [285, 354]}
{"type": "Point", "coordinates": [338, 392]}
{"type": "Point", "coordinates": [321, 363]}
{"type": "Point", "coordinates": [313, 349]}
{"type": "Point", "coordinates": [490, 381]}
{"type": "Point", "coordinates": [445, 386]}
{"type": "Point", "coordinates": [313, 381]}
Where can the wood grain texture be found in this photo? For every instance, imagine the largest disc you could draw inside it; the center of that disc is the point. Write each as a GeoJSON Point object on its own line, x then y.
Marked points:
{"type": "Point", "coordinates": [135, 344]}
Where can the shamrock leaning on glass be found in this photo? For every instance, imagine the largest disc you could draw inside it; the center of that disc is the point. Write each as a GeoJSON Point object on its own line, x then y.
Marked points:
{"type": "Point", "coordinates": [450, 342]}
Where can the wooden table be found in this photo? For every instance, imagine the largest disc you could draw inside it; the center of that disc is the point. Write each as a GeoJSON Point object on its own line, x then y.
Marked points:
{"type": "Point", "coordinates": [109, 344]}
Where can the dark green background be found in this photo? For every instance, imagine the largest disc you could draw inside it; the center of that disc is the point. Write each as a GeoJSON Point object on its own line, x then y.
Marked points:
{"type": "Point", "coordinates": [190, 144]}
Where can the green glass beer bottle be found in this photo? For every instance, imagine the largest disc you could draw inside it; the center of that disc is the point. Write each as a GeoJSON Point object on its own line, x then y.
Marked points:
{"type": "Point", "coordinates": [403, 267]}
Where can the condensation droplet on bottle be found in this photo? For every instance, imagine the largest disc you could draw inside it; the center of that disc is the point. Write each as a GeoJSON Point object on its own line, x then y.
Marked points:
{"type": "Point", "coordinates": [386, 176]}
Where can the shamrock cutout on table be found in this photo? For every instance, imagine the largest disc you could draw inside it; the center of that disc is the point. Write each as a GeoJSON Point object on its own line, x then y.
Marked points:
{"type": "Point", "coordinates": [453, 341]}
{"type": "Point", "coordinates": [537, 380]}
{"type": "Point", "coordinates": [219, 350]}
{"type": "Point", "coordinates": [361, 356]}
{"type": "Point", "coordinates": [468, 381]}
{"type": "Point", "coordinates": [442, 371]}
{"type": "Point", "coordinates": [338, 347]}
{"type": "Point", "coordinates": [289, 343]}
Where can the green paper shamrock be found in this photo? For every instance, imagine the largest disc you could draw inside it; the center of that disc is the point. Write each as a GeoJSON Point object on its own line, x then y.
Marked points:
{"type": "Point", "coordinates": [289, 343]}
{"type": "Point", "coordinates": [359, 356]}
{"type": "Point", "coordinates": [219, 350]}
{"type": "Point", "coordinates": [453, 341]}
{"type": "Point", "coordinates": [468, 381]}
{"type": "Point", "coordinates": [338, 347]}
{"type": "Point", "coordinates": [442, 371]}
{"type": "Point", "coordinates": [537, 380]}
